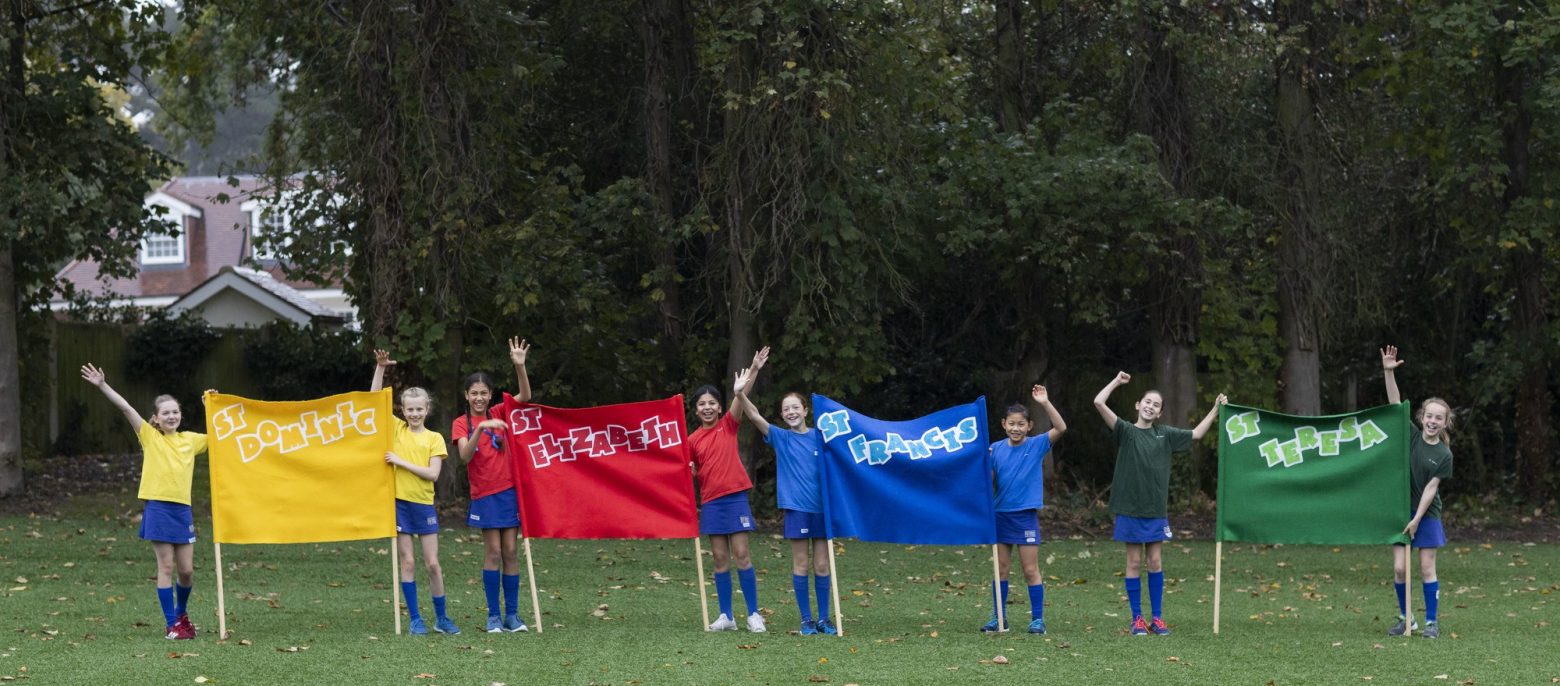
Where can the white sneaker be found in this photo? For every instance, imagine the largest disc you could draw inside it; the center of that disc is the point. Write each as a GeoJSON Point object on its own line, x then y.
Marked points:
{"type": "Point", "coordinates": [756, 623]}
{"type": "Point", "coordinates": [724, 623]}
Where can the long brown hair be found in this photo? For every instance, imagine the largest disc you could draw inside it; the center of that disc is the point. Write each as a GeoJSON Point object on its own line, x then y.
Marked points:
{"type": "Point", "coordinates": [1446, 431]}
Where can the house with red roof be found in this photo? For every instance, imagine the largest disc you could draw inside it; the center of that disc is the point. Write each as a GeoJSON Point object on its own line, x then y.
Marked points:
{"type": "Point", "coordinates": [211, 266]}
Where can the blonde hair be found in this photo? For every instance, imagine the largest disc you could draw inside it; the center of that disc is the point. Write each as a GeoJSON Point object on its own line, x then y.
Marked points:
{"type": "Point", "coordinates": [416, 393]}
{"type": "Point", "coordinates": [164, 398]}
{"type": "Point", "coordinates": [1446, 431]}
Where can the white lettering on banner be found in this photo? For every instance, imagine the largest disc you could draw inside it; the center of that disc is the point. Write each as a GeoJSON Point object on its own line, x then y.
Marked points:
{"type": "Point", "coordinates": [288, 437]}
{"type": "Point", "coordinates": [592, 442]}
{"type": "Point", "coordinates": [880, 451]}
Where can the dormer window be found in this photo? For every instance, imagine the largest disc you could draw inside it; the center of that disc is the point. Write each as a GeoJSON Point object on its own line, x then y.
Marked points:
{"type": "Point", "coordinates": [164, 247]}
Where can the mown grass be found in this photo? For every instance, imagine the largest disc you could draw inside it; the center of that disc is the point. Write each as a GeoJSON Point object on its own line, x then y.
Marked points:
{"type": "Point", "coordinates": [78, 608]}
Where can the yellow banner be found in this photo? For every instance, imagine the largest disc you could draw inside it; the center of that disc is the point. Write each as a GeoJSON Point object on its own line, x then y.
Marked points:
{"type": "Point", "coordinates": [301, 472]}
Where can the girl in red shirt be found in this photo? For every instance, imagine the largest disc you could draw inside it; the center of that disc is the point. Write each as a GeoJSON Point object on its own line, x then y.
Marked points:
{"type": "Point", "coordinates": [724, 514]}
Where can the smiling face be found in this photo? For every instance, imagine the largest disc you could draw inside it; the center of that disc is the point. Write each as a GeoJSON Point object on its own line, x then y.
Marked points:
{"type": "Point", "coordinates": [793, 412]}
{"type": "Point", "coordinates": [1017, 427]}
{"type": "Point", "coordinates": [478, 397]}
{"type": "Point", "coordinates": [416, 411]}
{"type": "Point", "coordinates": [1149, 407]}
{"type": "Point", "coordinates": [1433, 417]}
{"type": "Point", "coordinates": [707, 408]}
{"type": "Point", "coordinates": [168, 416]}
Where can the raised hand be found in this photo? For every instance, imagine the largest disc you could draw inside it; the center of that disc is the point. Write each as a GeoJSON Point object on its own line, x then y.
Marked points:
{"type": "Point", "coordinates": [92, 374]}
{"type": "Point", "coordinates": [518, 349]}
{"type": "Point", "coordinates": [382, 358]}
{"type": "Point", "coordinates": [744, 378]}
{"type": "Point", "coordinates": [1040, 394]}
{"type": "Point", "coordinates": [1222, 399]}
{"type": "Point", "coordinates": [1123, 378]}
{"type": "Point", "coordinates": [759, 358]}
{"type": "Point", "coordinates": [1389, 358]}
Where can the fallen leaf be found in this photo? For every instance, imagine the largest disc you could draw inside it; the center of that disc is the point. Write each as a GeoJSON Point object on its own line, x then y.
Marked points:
{"type": "Point", "coordinates": [934, 634]}
{"type": "Point", "coordinates": [21, 579]}
{"type": "Point", "coordinates": [823, 660]}
{"type": "Point", "coordinates": [1000, 659]}
{"type": "Point", "coordinates": [288, 649]}
{"type": "Point", "coordinates": [1442, 676]}
{"type": "Point", "coordinates": [1172, 658]}
{"type": "Point", "coordinates": [1376, 646]}
{"type": "Point", "coordinates": [246, 642]}
{"type": "Point", "coordinates": [818, 679]}
{"type": "Point", "coordinates": [1337, 644]}
{"type": "Point", "coordinates": [201, 680]}
{"type": "Point", "coordinates": [747, 646]}
{"type": "Point", "coordinates": [425, 675]}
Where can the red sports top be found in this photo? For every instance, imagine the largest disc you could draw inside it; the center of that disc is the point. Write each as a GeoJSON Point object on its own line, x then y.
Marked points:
{"type": "Point", "coordinates": [488, 470]}
{"type": "Point", "coordinates": [715, 455]}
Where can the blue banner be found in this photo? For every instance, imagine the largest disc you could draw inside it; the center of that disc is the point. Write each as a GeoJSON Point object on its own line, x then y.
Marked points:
{"type": "Point", "coordinates": [923, 481]}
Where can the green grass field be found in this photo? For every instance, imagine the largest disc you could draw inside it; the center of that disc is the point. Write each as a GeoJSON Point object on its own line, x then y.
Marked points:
{"type": "Point", "coordinates": [78, 608]}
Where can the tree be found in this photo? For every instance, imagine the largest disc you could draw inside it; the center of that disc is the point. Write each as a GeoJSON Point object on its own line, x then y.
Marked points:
{"type": "Point", "coordinates": [72, 174]}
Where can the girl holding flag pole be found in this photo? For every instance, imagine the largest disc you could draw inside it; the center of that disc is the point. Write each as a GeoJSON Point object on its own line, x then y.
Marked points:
{"type": "Point", "coordinates": [1017, 465]}
{"type": "Point", "coordinates": [800, 496]}
{"type": "Point", "coordinates": [167, 471]}
{"type": "Point", "coordinates": [724, 513]}
{"type": "Point", "coordinates": [1429, 462]}
{"type": "Point", "coordinates": [417, 455]}
{"type": "Point", "coordinates": [495, 509]}
{"type": "Point", "coordinates": [1140, 492]}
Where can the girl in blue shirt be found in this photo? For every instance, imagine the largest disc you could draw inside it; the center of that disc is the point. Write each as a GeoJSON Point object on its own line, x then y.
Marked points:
{"type": "Point", "coordinates": [1017, 465]}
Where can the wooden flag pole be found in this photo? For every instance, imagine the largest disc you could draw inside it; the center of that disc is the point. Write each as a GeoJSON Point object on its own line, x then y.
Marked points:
{"type": "Point", "coordinates": [704, 600]}
{"type": "Point", "coordinates": [395, 580]}
{"type": "Point", "coordinates": [221, 605]}
{"type": "Point", "coordinates": [1218, 582]}
{"type": "Point", "coordinates": [1408, 587]}
{"type": "Point", "coordinates": [834, 589]}
{"type": "Point", "coordinates": [996, 590]}
{"type": "Point", "coordinates": [530, 572]}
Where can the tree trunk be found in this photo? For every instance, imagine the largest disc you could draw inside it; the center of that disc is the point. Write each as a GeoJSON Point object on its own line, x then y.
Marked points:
{"type": "Point", "coordinates": [1299, 245]}
{"type": "Point", "coordinates": [12, 90]}
{"type": "Point", "coordinates": [667, 35]}
{"type": "Point", "coordinates": [1535, 439]}
{"type": "Point", "coordinates": [1010, 66]}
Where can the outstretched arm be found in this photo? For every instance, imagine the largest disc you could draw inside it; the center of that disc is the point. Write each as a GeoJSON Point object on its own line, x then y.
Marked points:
{"type": "Point", "coordinates": [1424, 505]}
{"type": "Point", "coordinates": [1207, 422]}
{"type": "Point", "coordinates": [95, 376]}
{"type": "Point", "coordinates": [1104, 395]}
{"type": "Point", "coordinates": [738, 400]}
{"type": "Point", "coordinates": [518, 349]}
{"type": "Point", "coordinates": [1058, 425]}
{"type": "Point", "coordinates": [744, 381]}
{"type": "Point", "coordinates": [1389, 365]}
{"type": "Point", "coordinates": [428, 473]}
{"type": "Point", "coordinates": [381, 361]}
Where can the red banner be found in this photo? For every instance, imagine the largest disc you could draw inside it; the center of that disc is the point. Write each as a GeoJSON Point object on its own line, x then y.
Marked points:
{"type": "Point", "coordinates": [617, 471]}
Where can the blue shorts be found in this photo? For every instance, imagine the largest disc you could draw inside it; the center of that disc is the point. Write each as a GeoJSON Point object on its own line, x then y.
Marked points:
{"type": "Point", "coordinates": [1019, 528]}
{"type": "Point", "coordinates": [497, 511]}
{"type": "Point", "coordinates": [167, 522]}
{"type": "Point", "coordinates": [728, 514]}
{"type": "Point", "coordinates": [803, 525]}
{"type": "Point", "coordinates": [1429, 534]}
{"type": "Point", "coordinates": [415, 518]}
{"type": "Point", "coordinates": [1142, 529]}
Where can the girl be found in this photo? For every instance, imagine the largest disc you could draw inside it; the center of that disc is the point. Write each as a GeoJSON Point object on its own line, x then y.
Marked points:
{"type": "Point", "coordinates": [723, 490]}
{"type": "Point", "coordinates": [167, 468]}
{"type": "Point", "coordinates": [1017, 465]}
{"type": "Point", "coordinates": [418, 454]}
{"type": "Point", "coordinates": [494, 509]}
{"type": "Point", "coordinates": [1140, 491]}
{"type": "Point", "coordinates": [800, 497]}
{"type": "Point", "coordinates": [1429, 462]}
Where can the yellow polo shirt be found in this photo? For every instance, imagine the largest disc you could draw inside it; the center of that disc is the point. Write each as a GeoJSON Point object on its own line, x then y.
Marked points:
{"type": "Point", "coordinates": [168, 463]}
{"type": "Point", "coordinates": [418, 448]}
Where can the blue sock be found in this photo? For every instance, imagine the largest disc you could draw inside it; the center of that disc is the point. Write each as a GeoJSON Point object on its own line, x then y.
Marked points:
{"type": "Point", "coordinates": [1135, 595]}
{"type": "Point", "coordinates": [999, 594]}
{"type": "Point", "coordinates": [1402, 596]}
{"type": "Point", "coordinates": [1037, 601]}
{"type": "Point", "coordinates": [490, 588]}
{"type": "Point", "coordinates": [803, 603]}
{"type": "Point", "coordinates": [749, 580]}
{"type": "Point", "coordinates": [438, 607]}
{"type": "Point", "coordinates": [511, 594]}
{"type": "Point", "coordinates": [1156, 591]}
{"type": "Point", "coordinates": [409, 592]}
{"type": "Point", "coordinates": [1432, 599]}
{"type": "Point", "coordinates": [181, 598]}
{"type": "Point", "coordinates": [822, 585]}
{"type": "Point", "coordinates": [165, 599]}
{"type": "Point", "coordinates": [723, 591]}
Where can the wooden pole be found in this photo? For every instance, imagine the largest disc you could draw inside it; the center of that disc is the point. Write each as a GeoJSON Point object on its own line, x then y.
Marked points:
{"type": "Point", "coordinates": [996, 590]}
{"type": "Point", "coordinates": [530, 571]}
{"type": "Point", "coordinates": [221, 601]}
{"type": "Point", "coordinates": [1218, 582]}
{"type": "Point", "coordinates": [1408, 588]}
{"type": "Point", "coordinates": [395, 580]}
{"type": "Point", "coordinates": [834, 589]}
{"type": "Point", "coordinates": [704, 600]}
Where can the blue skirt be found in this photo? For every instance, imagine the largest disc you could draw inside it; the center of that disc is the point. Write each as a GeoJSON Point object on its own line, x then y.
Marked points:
{"type": "Point", "coordinates": [728, 514]}
{"type": "Point", "coordinates": [1019, 528]}
{"type": "Point", "coordinates": [167, 522]}
{"type": "Point", "coordinates": [1142, 529]}
{"type": "Point", "coordinates": [415, 518]}
{"type": "Point", "coordinates": [1430, 534]}
{"type": "Point", "coordinates": [804, 525]}
{"type": "Point", "coordinates": [497, 511]}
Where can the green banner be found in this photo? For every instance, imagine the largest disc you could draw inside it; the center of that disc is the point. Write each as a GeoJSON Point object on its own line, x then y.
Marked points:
{"type": "Point", "coordinates": [1332, 480]}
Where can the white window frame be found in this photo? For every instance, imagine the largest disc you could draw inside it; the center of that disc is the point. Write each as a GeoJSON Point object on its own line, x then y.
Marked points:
{"type": "Point", "coordinates": [258, 211]}
{"type": "Point", "coordinates": [178, 212]}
